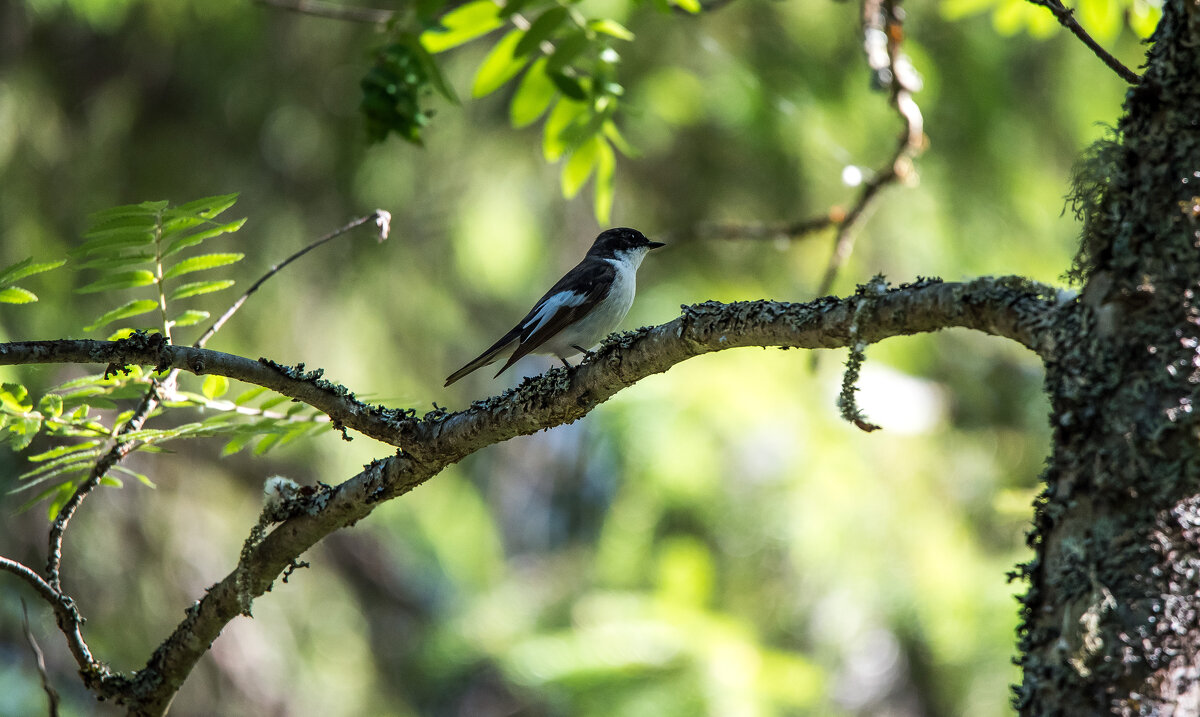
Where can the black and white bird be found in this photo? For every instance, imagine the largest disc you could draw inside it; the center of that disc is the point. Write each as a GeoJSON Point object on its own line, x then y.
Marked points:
{"type": "Point", "coordinates": [584, 306]}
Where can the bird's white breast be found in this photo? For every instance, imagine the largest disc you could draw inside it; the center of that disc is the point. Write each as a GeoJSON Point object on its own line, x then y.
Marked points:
{"type": "Point", "coordinates": [604, 319]}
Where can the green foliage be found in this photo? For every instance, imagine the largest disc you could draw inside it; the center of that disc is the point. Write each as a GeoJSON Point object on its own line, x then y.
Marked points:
{"type": "Point", "coordinates": [568, 61]}
{"type": "Point", "coordinates": [136, 246]}
{"type": "Point", "coordinates": [10, 275]}
{"type": "Point", "coordinates": [403, 73]}
{"type": "Point", "coordinates": [132, 247]}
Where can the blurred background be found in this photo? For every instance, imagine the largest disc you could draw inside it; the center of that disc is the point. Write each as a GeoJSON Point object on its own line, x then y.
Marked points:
{"type": "Point", "coordinates": [712, 541]}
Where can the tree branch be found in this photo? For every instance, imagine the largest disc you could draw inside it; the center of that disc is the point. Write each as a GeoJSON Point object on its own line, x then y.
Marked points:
{"type": "Point", "coordinates": [1009, 307]}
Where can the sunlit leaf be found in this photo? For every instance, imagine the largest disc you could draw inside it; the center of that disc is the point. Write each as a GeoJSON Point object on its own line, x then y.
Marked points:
{"type": "Point", "coordinates": [579, 166]}
{"type": "Point", "coordinates": [13, 396]}
{"type": "Point", "coordinates": [16, 295]}
{"type": "Point", "coordinates": [533, 96]}
{"type": "Point", "coordinates": [606, 163]}
{"type": "Point", "coordinates": [565, 112]}
{"type": "Point", "coordinates": [132, 308]}
{"type": "Point", "coordinates": [208, 207]}
{"type": "Point", "coordinates": [214, 386]}
{"type": "Point", "coordinates": [499, 66]}
{"type": "Point", "coordinates": [462, 25]}
{"type": "Point", "coordinates": [120, 280]}
{"type": "Point", "coordinates": [611, 28]}
{"type": "Point", "coordinates": [51, 405]}
{"type": "Point", "coordinates": [189, 240]}
{"type": "Point", "coordinates": [692, 6]}
{"type": "Point", "coordinates": [26, 268]}
{"type": "Point", "coordinates": [202, 263]}
{"type": "Point", "coordinates": [196, 288]}
{"type": "Point", "coordinates": [190, 318]}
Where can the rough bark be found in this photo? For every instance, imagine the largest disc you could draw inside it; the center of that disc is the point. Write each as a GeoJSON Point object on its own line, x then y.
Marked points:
{"type": "Point", "coordinates": [1110, 618]}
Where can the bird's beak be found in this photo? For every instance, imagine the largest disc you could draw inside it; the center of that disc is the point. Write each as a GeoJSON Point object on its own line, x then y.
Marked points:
{"type": "Point", "coordinates": [655, 244]}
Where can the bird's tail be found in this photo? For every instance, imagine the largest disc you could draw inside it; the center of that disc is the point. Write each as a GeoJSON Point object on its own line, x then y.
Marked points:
{"type": "Point", "coordinates": [498, 350]}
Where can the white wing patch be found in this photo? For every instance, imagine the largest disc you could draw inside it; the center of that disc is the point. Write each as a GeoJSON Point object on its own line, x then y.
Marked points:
{"type": "Point", "coordinates": [550, 307]}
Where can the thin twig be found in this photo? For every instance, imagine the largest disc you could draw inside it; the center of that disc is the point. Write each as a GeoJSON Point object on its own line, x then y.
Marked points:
{"type": "Point", "coordinates": [66, 615]}
{"type": "Point", "coordinates": [165, 387]}
{"type": "Point", "coordinates": [332, 11]}
{"type": "Point", "coordinates": [883, 35]}
{"type": "Point", "coordinates": [1066, 17]}
{"type": "Point", "coordinates": [40, 659]}
{"type": "Point", "coordinates": [381, 218]}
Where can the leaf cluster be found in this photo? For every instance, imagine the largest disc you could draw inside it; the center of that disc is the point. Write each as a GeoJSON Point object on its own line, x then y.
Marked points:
{"type": "Point", "coordinates": [567, 64]}
{"type": "Point", "coordinates": [94, 419]}
{"type": "Point", "coordinates": [142, 245]}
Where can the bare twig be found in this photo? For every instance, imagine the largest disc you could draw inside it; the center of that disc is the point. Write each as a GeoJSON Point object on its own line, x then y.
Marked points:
{"type": "Point", "coordinates": [40, 659]}
{"type": "Point", "coordinates": [66, 616]}
{"type": "Point", "coordinates": [1066, 18]}
{"type": "Point", "coordinates": [332, 11]}
{"type": "Point", "coordinates": [381, 218]}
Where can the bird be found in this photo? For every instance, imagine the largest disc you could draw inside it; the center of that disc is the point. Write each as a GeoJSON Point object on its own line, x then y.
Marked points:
{"type": "Point", "coordinates": [580, 309]}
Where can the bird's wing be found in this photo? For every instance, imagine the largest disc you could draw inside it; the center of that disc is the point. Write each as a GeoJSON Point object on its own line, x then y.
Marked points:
{"type": "Point", "coordinates": [562, 306]}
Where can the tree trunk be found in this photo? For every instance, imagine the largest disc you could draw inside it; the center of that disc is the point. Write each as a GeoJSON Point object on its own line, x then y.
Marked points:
{"type": "Point", "coordinates": [1110, 619]}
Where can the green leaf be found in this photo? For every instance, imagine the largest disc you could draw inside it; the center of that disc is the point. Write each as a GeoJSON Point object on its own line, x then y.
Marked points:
{"type": "Point", "coordinates": [433, 71]}
{"type": "Point", "coordinates": [462, 25]}
{"type": "Point", "coordinates": [618, 140]}
{"type": "Point", "coordinates": [202, 263]}
{"type": "Point", "coordinates": [606, 164]}
{"type": "Point", "coordinates": [236, 444]}
{"type": "Point", "coordinates": [567, 50]}
{"type": "Point", "coordinates": [540, 30]}
{"type": "Point", "coordinates": [116, 261]}
{"type": "Point", "coordinates": [125, 211]}
{"type": "Point", "coordinates": [692, 6]}
{"type": "Point", "coordinates": [499, 66]}
{"type": "Point", "coordinates": [132, 308]}
{"type": "Point", "coordinates": [26, 268]}
{"type": "Point", "coordinates": [115, 240]}
{"type": "Point", "coordinates": [196, 288]}
{"type": "Point", "coordinates": [208, 207]}
{"type": "Point", "coordinates": [51, 405]}
{"type": "Point", "coordinates": [247, 396]}
{"type": "Point", "coordinates": [13, 397]}
{"type": "Point", "coordinates": [17, 295]}
{"type": "Point", "coordinates": [612, 28]}
{"type": "Point", "coordinates": [566, 112]}
{"type": "Point", "coordinates": [190, 318]}
{"type": "Point", "coordinates": [120, 280]}
{"type": "Point", "coordinates": [266, 443]}
{"type": "Point", "coordinates": [64, 450]}
{"type": "Point", "coordinates": [141, 478]}
{"type": "Point", "coordinates": [214, 386]}
{"type": "Point", "coordinates": [190, 240]}
{"type": "Point", "coordinates": [579, 166]}
{"type": "Point", "coordinates": [568, 85]}
{"type": "Point", "coordinates": [534, 94]}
